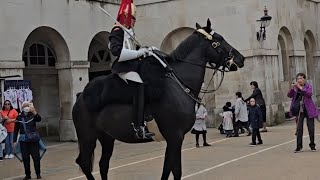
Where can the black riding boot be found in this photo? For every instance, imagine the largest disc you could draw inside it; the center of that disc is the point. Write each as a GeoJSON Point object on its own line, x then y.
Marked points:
{"type": "Point", "coordinates": [139, 126]}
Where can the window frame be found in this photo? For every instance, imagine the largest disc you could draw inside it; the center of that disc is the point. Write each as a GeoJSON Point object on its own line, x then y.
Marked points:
{"type": "Point", "coordinates": [26, 54]}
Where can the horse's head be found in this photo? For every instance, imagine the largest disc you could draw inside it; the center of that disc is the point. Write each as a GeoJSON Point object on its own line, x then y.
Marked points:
{"type": "Point", "coordinates": [219, 51]}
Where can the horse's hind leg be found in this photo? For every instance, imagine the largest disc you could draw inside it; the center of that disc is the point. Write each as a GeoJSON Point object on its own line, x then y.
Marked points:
{"type": "Point", "coordinates": [107, 143]}
{"type": "Point", "coordinates": [87, 137]}
{"type": "Point", "coordinates": [172, 161]}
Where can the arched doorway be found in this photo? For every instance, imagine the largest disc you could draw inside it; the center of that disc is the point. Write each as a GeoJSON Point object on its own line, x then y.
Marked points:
{"type": "Point", "coordinates": [286, 61]}
{"type": "Point", "coordinates": [99, 56]}
{"type": "Point", "coordinates": [286, 65]}
{"type": "Point", "coordinates": [310, 46]}
{"type": "Point", "coordinates": [174, 38]}
{"type": "Point", "coordinates": [43, 48]}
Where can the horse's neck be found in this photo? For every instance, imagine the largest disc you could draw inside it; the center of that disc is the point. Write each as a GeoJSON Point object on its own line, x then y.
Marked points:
{"type": "Point", "coordinates": [189, 73]}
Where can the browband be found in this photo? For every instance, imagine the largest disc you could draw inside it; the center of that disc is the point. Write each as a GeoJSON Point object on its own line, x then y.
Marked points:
{"type": "Point", "coordinates": [207, 35]}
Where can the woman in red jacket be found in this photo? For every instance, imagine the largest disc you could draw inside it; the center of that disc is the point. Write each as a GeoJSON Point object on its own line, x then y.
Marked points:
{"type": "Point", "coordinates": [9, 115]}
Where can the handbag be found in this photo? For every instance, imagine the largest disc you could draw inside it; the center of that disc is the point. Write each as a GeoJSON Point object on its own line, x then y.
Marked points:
{"type": "Point", "coordinates": [7, 115]}
{"type": "Point", "coordinates": [30, 136]}
{"type": "Point", "coordinates": [295, 108]}
{"type": "Point", "coordinates": [3, 133]}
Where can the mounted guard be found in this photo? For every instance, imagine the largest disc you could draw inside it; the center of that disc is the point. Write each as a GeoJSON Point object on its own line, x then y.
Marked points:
{"type": "Point", "coordinates": [128, 53]}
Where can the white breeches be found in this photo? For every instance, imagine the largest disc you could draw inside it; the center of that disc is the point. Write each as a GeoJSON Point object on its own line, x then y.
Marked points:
{"type": "Point", "coordinates": [132, 76]}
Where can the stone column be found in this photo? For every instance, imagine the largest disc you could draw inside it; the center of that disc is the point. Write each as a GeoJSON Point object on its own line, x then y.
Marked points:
{"type": "Point", "coordinates": [316, 76]}
{"type": "Point", "coordinates": [73, 77]}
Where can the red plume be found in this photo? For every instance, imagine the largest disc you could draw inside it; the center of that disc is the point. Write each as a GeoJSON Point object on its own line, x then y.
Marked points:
{"type": "Point", "coordinates": [125, 13]}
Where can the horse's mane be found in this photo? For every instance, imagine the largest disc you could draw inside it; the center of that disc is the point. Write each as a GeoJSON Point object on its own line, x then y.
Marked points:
{"type": "Point", "coordinates": [184, 47]}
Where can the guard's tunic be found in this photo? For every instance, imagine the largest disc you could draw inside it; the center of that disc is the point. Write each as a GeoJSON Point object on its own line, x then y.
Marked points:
{"type": "Point", "coordinates": [119, 39]}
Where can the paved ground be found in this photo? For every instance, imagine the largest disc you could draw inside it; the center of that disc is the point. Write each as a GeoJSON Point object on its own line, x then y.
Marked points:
{"type": "Point", "coordinates": [227, 159]}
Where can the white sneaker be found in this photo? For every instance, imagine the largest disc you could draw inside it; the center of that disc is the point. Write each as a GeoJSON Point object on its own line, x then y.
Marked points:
{"type": "Point", "coordinates": [11, 156]}
{"type": "Point", "coordinates": [6, 156]}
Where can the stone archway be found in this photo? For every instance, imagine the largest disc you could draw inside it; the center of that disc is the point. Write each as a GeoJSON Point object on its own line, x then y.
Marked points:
{"type": "Point", "coordinates": [309, 44]}
{"type": "Point", "coordinates": [312, 70]}
{"type": "Point", "coordinates": [174, 38]}
{"type": "Point", "coordinates": [44, 48]}
{"type": "Point", "coordinates": [99, 56]}
{"type": "Point", "coordinates": [286, 64]}
{"type": "Point", "coordinates": [286, 48]}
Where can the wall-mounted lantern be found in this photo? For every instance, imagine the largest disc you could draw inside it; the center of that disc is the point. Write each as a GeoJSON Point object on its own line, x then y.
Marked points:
{"type": "Point", "coordinates": [265, 22]}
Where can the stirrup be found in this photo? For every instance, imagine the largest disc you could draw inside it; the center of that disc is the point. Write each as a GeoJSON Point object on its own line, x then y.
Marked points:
{"type": "Point", "coordinates": [141, 133]}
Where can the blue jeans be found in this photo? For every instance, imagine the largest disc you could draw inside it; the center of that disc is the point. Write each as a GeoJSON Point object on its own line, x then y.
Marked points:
{"type": "Point", "coordinates": [9, 144]}
{"type": "Point", "coordinates": [1, 153]}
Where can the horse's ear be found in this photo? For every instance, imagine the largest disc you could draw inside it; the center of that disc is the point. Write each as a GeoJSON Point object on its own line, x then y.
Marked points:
{"type": "Point", "coordinates": [198, 26]}
{"type": "Point", "coordinates": [208, 24]}
{"type": "Point", "coordinates": [208, 27]}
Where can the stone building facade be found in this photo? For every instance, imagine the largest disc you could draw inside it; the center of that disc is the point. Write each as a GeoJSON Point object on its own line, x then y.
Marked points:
{"type": "Point", "coordinates": [62, 44]}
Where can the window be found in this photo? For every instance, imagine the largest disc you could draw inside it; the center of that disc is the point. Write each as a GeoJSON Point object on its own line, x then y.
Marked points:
{"type": "Point", "coordinates": [101, 56]}
{"type": "Point", "coordinates": [39, 55]}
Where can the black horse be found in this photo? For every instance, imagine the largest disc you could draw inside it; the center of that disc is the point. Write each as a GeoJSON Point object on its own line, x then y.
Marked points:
{"type": "Point", "coordinates": [105, 113]}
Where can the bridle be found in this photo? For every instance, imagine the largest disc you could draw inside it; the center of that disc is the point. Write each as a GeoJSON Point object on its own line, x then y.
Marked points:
{"type": "Point", "coordinates": [222, 68]}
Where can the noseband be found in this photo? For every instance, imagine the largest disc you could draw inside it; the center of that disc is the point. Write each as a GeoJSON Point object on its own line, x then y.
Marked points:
{"type": "Point", "coordinates": [229, 60]}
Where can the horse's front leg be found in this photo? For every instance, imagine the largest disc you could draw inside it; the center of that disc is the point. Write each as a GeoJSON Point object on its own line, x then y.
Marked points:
{"type": "Point", "coordinates": [107, 143]}
{"type": "Point", "coordinates": [177, 168]}
{"type": "Point", "coordinates": [172, 161]}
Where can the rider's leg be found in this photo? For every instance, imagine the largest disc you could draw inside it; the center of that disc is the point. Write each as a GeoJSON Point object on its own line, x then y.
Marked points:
{"type": "Point", "coordinates": [142, 132]}
{"type": "Point", "coordinates": [138, 104]}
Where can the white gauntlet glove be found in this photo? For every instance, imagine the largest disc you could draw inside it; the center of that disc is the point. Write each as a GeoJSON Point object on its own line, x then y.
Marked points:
{"type": "Point", "coordinates": [143, 52]}
{"type": "Point", "coordinates": [127, 54]}
{"type": "Point", "coordinates": [152, 48]}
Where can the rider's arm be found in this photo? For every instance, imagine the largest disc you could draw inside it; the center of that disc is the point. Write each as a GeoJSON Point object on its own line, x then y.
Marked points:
{"type": "Point", "coordinates": [116, 41]}
{"type": "Point", "coordinates": [116, 46]}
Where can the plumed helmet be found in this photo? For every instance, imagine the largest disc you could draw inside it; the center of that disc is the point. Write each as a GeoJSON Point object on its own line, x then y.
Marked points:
{"type": "Point", "coordinates": [126, 13]}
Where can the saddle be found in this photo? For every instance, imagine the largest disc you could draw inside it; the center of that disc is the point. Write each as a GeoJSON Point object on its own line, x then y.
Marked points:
{"type": "Point", "coordinates": [110, 89]}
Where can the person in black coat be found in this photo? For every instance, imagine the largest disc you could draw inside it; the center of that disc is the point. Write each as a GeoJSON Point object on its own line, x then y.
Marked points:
{"type": "Point", "coordinates": [257, 95]}
{"type": "Point", "coordinates": [255, 119]}
{"type": "Point", "coordinates": [29, 116]}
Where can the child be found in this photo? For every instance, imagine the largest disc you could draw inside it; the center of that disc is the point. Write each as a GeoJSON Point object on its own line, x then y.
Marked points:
{"type": "Point", "coordinates": [199, 126]}
{"type": "Point", "coordinates": [255, 119]}
{"type": "Point", "coordinates": [227, 121]}
{"type": "Point", "coordinates": [232, 108]}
